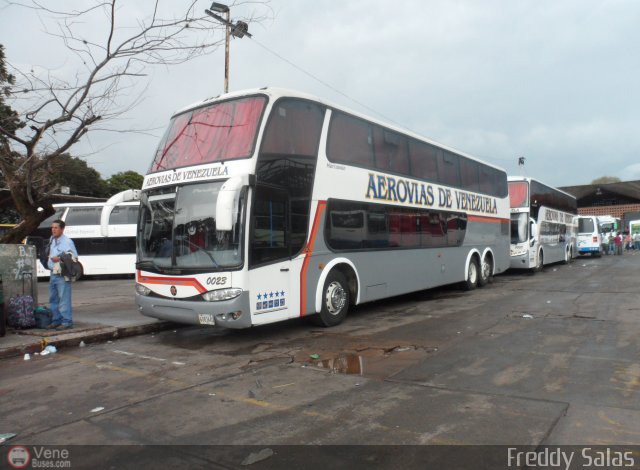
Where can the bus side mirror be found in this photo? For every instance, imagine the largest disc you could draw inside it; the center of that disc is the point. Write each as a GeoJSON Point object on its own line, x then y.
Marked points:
{"type": "Point", "coordinates": [225, 204]}
{"type": "Point", "coordinates": [124, 196]}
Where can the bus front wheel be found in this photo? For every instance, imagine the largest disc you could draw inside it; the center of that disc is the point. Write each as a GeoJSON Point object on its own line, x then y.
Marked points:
{"type": "Point", "coordinates": [539, 262]}
{"type": "Point", "coordinates": [335, 300]}
{"type": "Point", "coordinates": [472, 274]}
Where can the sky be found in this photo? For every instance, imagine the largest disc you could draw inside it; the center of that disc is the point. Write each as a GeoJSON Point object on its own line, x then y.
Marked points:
{"type": "Point", "coordinates": [553, 82]}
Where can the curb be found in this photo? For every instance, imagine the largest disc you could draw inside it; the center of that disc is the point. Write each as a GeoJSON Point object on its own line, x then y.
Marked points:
{"type": "Point", "coordinates": [95, 335]}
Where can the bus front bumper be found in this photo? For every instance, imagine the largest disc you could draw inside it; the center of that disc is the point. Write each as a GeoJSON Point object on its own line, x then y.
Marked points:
{"type": "Point", "coordinates": [219, 313]}
{"type": "Point", "coordinates": [520, 261]}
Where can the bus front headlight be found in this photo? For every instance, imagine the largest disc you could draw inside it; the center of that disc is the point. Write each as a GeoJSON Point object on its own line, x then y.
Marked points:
{"type": "Point", "coordinates": [221, 294]}
{"type": "Point", "coordinates": [142, 290]}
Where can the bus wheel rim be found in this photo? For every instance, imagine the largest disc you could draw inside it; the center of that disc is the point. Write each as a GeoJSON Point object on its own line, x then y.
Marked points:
{"type": "Point", "coordinates": [472, 272]}
{"type": "Point", "coordinates": [335, 298]}
{"type": "Point", "coordinates": [486, 269]}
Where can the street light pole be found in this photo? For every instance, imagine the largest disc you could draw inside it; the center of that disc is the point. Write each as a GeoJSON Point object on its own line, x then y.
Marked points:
{"type": "Point", "coordinates": [238, 30]}
{"type": "Point", "coordinates": [226, 52]}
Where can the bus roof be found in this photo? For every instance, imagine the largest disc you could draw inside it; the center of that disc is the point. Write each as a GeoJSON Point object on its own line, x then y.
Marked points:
{"type": "Point", "coordinates": [528, 179]}
{"type": "Point", "coordinates": [274, 93]}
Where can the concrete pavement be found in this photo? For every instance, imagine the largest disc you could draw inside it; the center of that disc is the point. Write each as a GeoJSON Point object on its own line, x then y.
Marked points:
{"type": "Point", "coordinates": [103, 309]}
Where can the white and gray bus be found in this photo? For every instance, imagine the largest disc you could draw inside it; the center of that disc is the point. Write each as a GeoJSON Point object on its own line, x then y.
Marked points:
{"type": "Point", "coordinates": [112, 252]}
{"type": "Point", "coordinates": [265, 205]}
{"type": "Point", "coordinates": [543, 224]}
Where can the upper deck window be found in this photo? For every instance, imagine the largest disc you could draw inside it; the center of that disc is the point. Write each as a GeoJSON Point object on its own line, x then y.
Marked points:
{"type": "Point", "coordinates": [519, 193]}
{"type": "Point", "coordinates": [220, 132]}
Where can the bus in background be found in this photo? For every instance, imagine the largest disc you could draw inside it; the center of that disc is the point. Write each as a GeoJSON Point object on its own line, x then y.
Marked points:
{"type": "Point", "coordinates": [265, 205]}
{"type": "Point", "coordinates": [543, 225]}
{"type": "Point", "coordinates": [98, 254]}
{"type": "Point", "coordinates": [609, 225]}
{"type": "Point", "coordinates": [590, 239]}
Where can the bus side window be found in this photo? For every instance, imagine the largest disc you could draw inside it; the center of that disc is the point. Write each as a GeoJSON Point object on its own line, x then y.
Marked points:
{"type": "Point", "coordinates": [270, 234]}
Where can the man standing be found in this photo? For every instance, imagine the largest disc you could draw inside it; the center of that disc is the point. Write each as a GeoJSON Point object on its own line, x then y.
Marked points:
{"type": "Point", "coordinates": [59, 287]}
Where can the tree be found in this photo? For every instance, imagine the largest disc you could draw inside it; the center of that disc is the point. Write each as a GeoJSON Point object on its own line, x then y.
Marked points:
{"type": "Point", "coordinates": [10, 123]}
{"type": "Point", "coordinates": [123, 181]}
{"type": "Point", "coordinates": [606, 180]}
{"type": "Point", "coordinates": [79, 177]}
{"type": "Point", "coordinates": [52, 113]}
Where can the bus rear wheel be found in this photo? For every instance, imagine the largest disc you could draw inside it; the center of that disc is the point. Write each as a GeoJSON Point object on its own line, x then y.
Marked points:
{"type": "Point", "coordinates": [335, 301]}
{"type": "Point", "coordinates": [472, 274]}
{"type": "Point", "coordinates": [486, 271]}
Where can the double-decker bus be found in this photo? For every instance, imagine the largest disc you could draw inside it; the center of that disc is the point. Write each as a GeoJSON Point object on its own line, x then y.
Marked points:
{"type": "Point", "coordinates": [265, 205]}
{"type": "Point", "coordinates": [543, 224]}
{"type": "Point", "coordinates": [107, 250]}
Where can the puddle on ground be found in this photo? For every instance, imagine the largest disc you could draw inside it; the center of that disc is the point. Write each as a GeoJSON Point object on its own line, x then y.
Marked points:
{"type": "Point", "coordinates": [373, 362]}
{"type": "Point", "coordinates": [347, 364]}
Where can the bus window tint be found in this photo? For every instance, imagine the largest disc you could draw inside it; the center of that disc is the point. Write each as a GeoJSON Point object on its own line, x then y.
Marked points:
{"type": "Point", "coordinates": [294, 129]}
{"type": "Point", "coordinates": [390, 151]}
{"type": "Point", "coordinates": [46, 223]}
{"type": "Point", "coordinates": [448, 169]}
{"type": "Point", "coordinates": [586, 225]}
{"type": "Point", "coordinates": [423, 160]}
{"type": "Point", "coordinates": [83, 216]}
{"type": "Point", "coordinates": [223, 131]}
{"type": "Point", "coordinates": [269, 238]}
{"type": "Point", "coordinates": [469, 174]}
{"type": "Point", "coordinates": [122, 215]}
{"type": "Point", "coordinates": [350, 141]}
{"type": "Point", "coordinates": [287, 160]}
{"type": "Point", "coordinates": [390, 227]}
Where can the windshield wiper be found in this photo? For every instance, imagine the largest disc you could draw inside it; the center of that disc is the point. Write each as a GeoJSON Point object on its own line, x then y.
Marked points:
{"type": "Point", "coordinates": [148, 264]}
{"type": "Point", "coordinates": [199, 248]}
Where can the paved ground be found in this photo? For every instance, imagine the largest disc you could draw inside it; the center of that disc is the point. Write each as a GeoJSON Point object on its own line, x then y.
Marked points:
{"type": "Point", "coordinates": [548, 359]}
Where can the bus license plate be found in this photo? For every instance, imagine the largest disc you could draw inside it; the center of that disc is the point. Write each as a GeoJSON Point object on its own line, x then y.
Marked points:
{"type": "Point", "coordinates": [206, 319]}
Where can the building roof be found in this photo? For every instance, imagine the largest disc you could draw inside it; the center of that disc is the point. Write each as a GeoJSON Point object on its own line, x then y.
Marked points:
{"type": "Point", "coordinates": [624, 192]}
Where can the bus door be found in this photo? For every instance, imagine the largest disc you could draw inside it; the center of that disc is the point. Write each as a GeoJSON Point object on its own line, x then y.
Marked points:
{"type": "Point", "coordinates": [534, 241]}
{"type": "Point", "coordinates": [272, 273]}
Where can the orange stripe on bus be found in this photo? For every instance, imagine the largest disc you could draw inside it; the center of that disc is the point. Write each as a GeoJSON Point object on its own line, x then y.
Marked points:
{"type": "Point", "coordinates": [308, 252]}
{"type": "Point", "coordinates": [172, 281]}
{"type": "Point", "coordinates": [491, 220]}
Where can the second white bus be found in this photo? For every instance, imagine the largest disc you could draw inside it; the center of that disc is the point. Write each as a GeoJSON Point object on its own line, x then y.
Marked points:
{"type": "Point", "coordinates": [543, 226]}
{"type": "Point", "coordinates": [98, 253]}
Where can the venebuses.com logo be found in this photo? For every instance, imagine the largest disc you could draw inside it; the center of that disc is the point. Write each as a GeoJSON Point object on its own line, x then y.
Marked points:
{"type": "Point", "coordinates": [18, 457]}
{"type": "Point", "coordinates": [38, 457]}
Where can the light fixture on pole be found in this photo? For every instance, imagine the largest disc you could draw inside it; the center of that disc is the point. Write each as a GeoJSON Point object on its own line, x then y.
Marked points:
{"type": "Point", "coordinates": [238, 30]}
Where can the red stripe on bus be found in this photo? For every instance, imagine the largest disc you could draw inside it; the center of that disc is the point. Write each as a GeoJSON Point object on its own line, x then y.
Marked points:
{"type": "Point", "coordinates": [491, 220]}
{"type": "Point", "coordinates": [308, 252]}
{"type": "Point", "coordinates": [172, 281]}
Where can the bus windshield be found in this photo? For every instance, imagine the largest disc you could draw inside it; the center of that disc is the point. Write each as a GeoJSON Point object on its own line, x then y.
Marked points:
{"type": "Point", "coordinates": [220, 132]}
{"type": "Point", "coordinates": [177, 229]}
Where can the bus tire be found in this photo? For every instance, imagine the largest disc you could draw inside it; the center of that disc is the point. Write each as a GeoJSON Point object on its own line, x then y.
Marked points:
{"type": "Point", "coordinates": [335, 300]}
{"type": "Point", "coordinates": [472, 274]}
{"type": "Point", "coordinates": [539, 262]}
{"type": "Point", "coordinates": [486, 271]}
